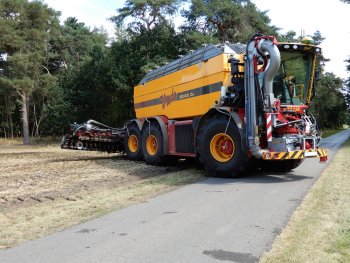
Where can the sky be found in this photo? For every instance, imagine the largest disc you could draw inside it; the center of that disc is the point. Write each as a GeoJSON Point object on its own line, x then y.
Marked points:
{"type": "Point", "coordinates": [331, 18]}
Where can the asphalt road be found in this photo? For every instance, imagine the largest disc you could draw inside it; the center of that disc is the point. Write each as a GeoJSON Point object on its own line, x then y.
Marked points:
{"type": "Point", "coordinates": [232, 220]}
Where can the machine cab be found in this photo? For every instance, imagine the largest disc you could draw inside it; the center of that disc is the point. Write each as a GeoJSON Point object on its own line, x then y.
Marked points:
{"type": "Point", "coordinates": [294, 82]}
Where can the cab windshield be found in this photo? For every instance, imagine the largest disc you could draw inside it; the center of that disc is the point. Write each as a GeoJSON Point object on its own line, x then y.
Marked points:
{"type": "Point", "coordinates": [291, 84]}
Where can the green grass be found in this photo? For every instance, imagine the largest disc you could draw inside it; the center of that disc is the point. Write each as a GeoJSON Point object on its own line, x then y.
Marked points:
{"type": "Point", "coordinates": [328, 132]}
{"type": "Point", "coordinates": [319, 230]}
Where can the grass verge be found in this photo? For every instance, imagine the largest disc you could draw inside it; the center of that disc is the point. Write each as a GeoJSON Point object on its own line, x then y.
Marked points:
{"type": "Point", "coordinates": [330, 132]}
{"type": "Point", "coordinates": [319, 230]}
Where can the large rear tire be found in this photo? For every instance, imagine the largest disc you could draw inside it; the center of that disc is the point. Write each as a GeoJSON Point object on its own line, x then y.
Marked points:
{"type": "Point", "coordinates": [132, 143]}
{"type": "Point", "coordinates": [152, 144]}
{"type": "Point", "coordinates": [220, 149]}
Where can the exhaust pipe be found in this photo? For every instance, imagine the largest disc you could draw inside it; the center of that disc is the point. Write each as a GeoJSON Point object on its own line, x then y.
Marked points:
{"type": "Point", "coordinates": [272, 68]}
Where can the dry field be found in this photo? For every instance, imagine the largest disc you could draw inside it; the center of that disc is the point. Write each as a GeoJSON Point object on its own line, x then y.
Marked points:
{"type": "Point", "coordinates": [44, 189]}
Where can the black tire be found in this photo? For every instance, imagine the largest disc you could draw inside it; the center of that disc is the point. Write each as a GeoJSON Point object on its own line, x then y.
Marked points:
{"type": "Point", "coordinates": [233, 163]}
{"type": "Point", "coordinates": [79, 145]}
{"type": "Point", "coordinates": [280, 166]}
{"type": "Point", "coordinates": [132, 142]}
{"type": "Point", "coordinates": [152, 144]}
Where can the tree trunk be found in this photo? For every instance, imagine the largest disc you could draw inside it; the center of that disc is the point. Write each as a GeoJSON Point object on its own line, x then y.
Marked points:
{"type": "Point", "coordinates": [9, 116]}
{"type": "Point", "coordinates": [25, 124]}
{"type": "Point", "coordinates": [11, 125]}
{"type": "Point", "coordinates": [34, 120]}
{"type": "Point", "coordinates": [37, 122]}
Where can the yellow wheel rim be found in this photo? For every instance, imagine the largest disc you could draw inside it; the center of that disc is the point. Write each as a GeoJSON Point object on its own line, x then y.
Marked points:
{"type": "Point", "coordinates": [133, 143]}
{"type": "Point", "coordinates": [222, 147]}
{"type": "Point", "coordinates": [151, 145]}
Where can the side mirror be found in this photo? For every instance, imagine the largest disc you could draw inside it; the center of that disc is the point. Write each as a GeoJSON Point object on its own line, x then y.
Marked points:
{"type": "Point", "coordinates": [317, 75]}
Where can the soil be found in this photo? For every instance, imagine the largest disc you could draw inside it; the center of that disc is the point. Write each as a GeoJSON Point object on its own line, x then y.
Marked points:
{"type": "Point", "coordinates": [37, 174]}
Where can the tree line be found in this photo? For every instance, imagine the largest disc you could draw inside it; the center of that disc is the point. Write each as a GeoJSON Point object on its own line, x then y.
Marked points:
{"type": "Point", "coordinates": [53, 74]}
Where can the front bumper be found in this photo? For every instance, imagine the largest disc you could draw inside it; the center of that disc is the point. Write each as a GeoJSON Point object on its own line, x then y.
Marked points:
{"type": "Point", "coordinates": [295, 155]}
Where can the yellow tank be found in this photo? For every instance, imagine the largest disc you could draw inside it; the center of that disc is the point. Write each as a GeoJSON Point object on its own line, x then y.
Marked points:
{"type": "Point", "coordinates": [189, 86]}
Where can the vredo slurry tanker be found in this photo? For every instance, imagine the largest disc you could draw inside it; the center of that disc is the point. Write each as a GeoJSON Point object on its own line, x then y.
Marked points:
{"type": "Point", "coordinates": [230, 106]}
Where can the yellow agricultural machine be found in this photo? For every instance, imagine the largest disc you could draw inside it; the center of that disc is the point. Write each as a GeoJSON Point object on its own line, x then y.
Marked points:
{"type": "Point", "coordinates": [230, 106]}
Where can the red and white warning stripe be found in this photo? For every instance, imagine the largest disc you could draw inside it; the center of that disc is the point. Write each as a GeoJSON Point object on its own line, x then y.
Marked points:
{"type": "Point", "coordinates": [268, 127]}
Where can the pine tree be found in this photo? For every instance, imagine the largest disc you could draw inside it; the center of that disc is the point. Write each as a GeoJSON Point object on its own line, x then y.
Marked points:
{"type": "Point", "coordinates": [25, 29]}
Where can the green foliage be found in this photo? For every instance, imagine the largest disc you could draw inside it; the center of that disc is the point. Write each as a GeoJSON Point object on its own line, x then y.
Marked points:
{"type": "Point", "coordinates": [25, 28]}
{"type": "Point", "coordinates": [132, 58]}
{"type": "Point", "coordinates": [329, 105]}
{"type": "Point", "coordinates": [321, 60]}
{"type": "Point", "coordinates": [290, 36]}
{"type": "Point", "coordinates": [78, 87]}
{"type": "Point", "coordinates": [24, 48]}
{"type": "Point", "coordinates": [227, 20]}
{"type": "Point", "coordinates": [39, 58]}
{"type": "Point", "coordinates": [57, 112]}
{"type": "Point", "coordinates": [346, 87]}
{"type": "Point", "coordinates": [91, 89]}
{"type": "Point", "coordinates": [146, 14]}
{"type": "Point", "coordinates": [346, 91]}
{"type": "Point", "coordinates": [77, 41]}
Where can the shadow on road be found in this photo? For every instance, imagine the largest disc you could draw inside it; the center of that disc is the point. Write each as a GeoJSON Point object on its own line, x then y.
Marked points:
{"type": "Point", "coordinates": [259, 178]}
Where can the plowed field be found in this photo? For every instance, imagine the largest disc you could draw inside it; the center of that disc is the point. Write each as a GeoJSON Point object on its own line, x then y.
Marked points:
{"type": "Point", "coordinates": [44, 189]}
